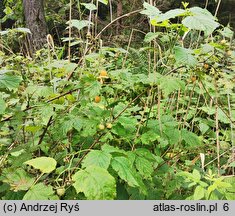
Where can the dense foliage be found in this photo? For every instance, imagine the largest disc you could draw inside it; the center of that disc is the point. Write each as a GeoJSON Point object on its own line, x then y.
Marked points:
{"type": "Point", "coordinates": [153, 120]}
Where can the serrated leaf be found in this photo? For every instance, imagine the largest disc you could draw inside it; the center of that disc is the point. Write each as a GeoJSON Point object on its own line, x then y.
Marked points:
{"type": "Point", "coordinates": [227, 32]}
{"type": "Point", "coordinates": [9, 81]}
{"type": "Point", "coordinates": [149, 137]}
{"type": "Point", "coordinates": [145, 153]}
{"type": "Point", "coordinates": [183, 56]}
{"type": "Point", "coordinates": [80, 24]}
{"type": "Point", "coordinates": [89, 6]}
{"type": "Point", "coordinates": [40, 91]}
{"type": "Point", "coordinates": [169, 15]}
{"type": "Point", "coordinates": [44, 164]}
{"type": "Point", "coordinates": [223, 117]}
{"type": "Point", "coordinates": [110, 149]}
{"type": "Point", "coordinates": [232, 164]}
{"type": "Point", "coordinates": [199, 193]}
{"type": "Point", "coordinates": [2, 105]}
{"type": "Point", "coordinates": [150, 10]}
{"type": "Point", "coordinates": [93, 89]}
{"type": "Point", "coordinates": [190, 138]}
{"type": "Point", "coordinates": [201, 20]}
{"type": "Point", "coordinates": [170, 84]}
{"type": "Point", "coordinates": [96, 183]}
{"type": "Point", "coordinates": [203, 127]}
{"type": "Point", "coordinates": [150, 36]}
{"type": "Point", "coordinates": [123, 168]}
{"type": "Point", "coordinates": [17, 179]}
{"type": "Point", "coordinates": [144, 167]}
{"type": "Point", "coordinates": [196, 175]}
{"type": "Point", "coordinates": [97, 158]}
{"type": "Point", "coordinates": [40, 192]}
{"type": "Point", "coordinates": [173, 135]}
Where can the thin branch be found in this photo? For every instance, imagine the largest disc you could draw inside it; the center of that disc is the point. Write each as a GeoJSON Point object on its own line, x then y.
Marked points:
{"type": "Point", "coordinates": [115, 20]}
{"type": "Point", "coordinates": [48, 101]}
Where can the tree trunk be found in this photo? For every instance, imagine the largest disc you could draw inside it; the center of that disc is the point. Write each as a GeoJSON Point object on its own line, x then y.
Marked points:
{"type": "Point", "coordinates": [119, 13]}
{"type": "Point", "coordinates": [35, 21]}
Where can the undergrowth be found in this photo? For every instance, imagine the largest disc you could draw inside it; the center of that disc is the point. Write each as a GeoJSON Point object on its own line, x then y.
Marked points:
{"type": "Point", "coordinates": [153, 122]}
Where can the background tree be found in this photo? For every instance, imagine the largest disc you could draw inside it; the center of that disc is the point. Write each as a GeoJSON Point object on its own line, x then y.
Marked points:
{"type": "Point", "coordinates": [35, 21]}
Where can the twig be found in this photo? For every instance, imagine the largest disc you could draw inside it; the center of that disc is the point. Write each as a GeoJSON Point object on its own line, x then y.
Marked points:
{"type": "Point", "coordinates": [115, 20]}
{"type": "Point", "coordinates": [219, 105]}
{"type": "Point", "coordinates": [101, 135]}
{"type": "Point", "coordinates": [48, 101]}
{"type": "Point", "coordinates": [45, 130]}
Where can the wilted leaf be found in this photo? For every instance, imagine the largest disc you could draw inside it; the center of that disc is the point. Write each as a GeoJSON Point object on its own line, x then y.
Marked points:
{"type": "Point", "coordinates": [18, 179]}
{"type": "Point", "coordinates": [44, 164]}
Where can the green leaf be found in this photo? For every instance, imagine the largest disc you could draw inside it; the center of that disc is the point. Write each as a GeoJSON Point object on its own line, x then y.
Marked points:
{"type": "Point", "coordinates": [151, 36]}
{"type": "Point", "coordinates": [227, 32]}
{"type": "Point", "coordinates": [104, 1]}
{"type": "Point", "coordinates": [40, 192]}
{"type": "Point", "coordinates": [89, 6]}
{"type": "Point", "coordinates": [40, 91]}
{"type": "Point", "coordinates": [96, 183]}
{"type": "Point", "coordinates": [44, 164]}
{"type": "Point", "coordinates": [97, 158]}
{"type": "Point", "coordinates": [145, 153]}
{"type": "Point", "coordinates": [183, 56]}
{"type": "Point", "coordinates": [190, 138]}
{"type": "Point", "coordinates": [22, 30]}
{"type": "Point", "coordinates": [122, 166]}
{"type": "Point", "coordinates": [18, 179]}
{"type": "Point", "coordinates": [201, 20]}
{"type": "Point", "coordinates": [196, 175]}
{"type": "Point", "coordinates": [170, 84]}
{"type": "Point", "coordinates": [149, 137]}
{"type": "Point", "coordinates": [173, 135]}
{"type": "Point", "coordinates": [150, 10]}
{"type": "Point", "coordinates": [110, 149]}
{"type": "Point", "coordinates": [2, 105]}
{"type": "Point", "coordinates": [8, 81]}
{"type": "Point", "coordinates": [79, 24]}
{"type": "Point", "coordinates": [144, 167]}
{"type": "Point", "coordinates": [203, 127]}
{"type": "Point", "coordinates": [199, 193]}
{"type": "Point", "coordinates": [223, 117]}
{"type": "Point", "coordinates": [169, 15]}
{"type": "Point", "coordinates": [232, 164]}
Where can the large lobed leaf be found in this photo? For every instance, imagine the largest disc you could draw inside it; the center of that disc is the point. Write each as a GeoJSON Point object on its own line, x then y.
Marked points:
{"type": "Point", "coordinates": [201, 19]}
{"type": "Point", "coordinates": [96, 183]}
{"type": "Point", "coordinates": [40, 192]}
{"type": "Point", "coordinates": [184, 56]}
{"type": "Point", "coordinates": [9, 81]}
{"type": "Point", "coordinates": [97, 158]}
{"type": "Point", "coordinates": [123, 167]}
